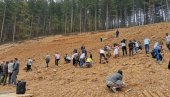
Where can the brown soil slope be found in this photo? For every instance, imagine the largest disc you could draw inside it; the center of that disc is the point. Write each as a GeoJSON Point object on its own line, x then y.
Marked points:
{"type": "Point", "coordinates": [142, 75]}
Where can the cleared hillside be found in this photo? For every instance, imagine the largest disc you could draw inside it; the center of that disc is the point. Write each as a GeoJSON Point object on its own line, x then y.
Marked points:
{"type": "Point", "coordinates": [142, 75]}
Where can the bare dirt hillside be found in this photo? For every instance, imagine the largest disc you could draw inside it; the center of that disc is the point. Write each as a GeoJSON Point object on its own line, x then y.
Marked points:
{"type": "Point", "coordinates": [142, 75]}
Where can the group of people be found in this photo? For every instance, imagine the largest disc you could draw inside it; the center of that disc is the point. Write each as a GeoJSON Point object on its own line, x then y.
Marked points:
{"type": "Point", "coordinates": [83, 59]}
{"type": "Point", "coordinates": [134, 48]}
{"type": "Point", "coordinates": [48, 59]}
{"type": "Point", "coordinates": [9, 71]}
{"type": "Point", "coordinates": [114, 82]}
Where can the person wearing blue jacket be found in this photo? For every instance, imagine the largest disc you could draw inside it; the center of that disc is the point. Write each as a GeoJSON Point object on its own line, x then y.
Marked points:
{"type": "Point", "coordinates": [114, 81]}
{"type": "Point", "coordinates": [15, 71]}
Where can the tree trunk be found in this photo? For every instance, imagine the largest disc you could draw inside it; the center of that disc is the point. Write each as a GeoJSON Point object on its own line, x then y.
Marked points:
{"type": "Point", "coordinates": [80, 20]}
{"type": "Point", "coordinates": [144, 13]}
{"type": "Point", "coordinates": [37, 33]}
{"type": "Point", "coordinates": [125, 18]}
{"type": "Point", "coordinates": [162, 19]}
{"type": "Point", "coordinates": [153, 16]}
{"type": "Point", "coordinates": [2, 28]}
{"type": "Point", "coordinates": [107, 17]}
{"type": "Point", "coordinates": [167, 11]}
{"type": "Point", "coordinates": [134, 12]}
{"type": "Point", "coordinates": [95, 19]}
{"type": "Point", "coordinates": [14, 29]}
{"type": "Point", "coordinates": [31, 27]}
{"type": "Point", "coordinates": [84, 28]}
{"type": "Point", "coordinates": [72, 18]}
{"type": "Point", "coordinates": [49, 26]}
{"type": "Point", "coordinates": [65, 24]}
{"type": "Point", "coordinates": [44, 25]}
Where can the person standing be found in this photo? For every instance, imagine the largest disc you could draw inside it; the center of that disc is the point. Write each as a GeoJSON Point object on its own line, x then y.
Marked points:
{"type": "Point", "coordinates": [1, 70]}
{"type": "Point", "coordinates": [10, 70]}
{"type": "Point", "coordinates": [116, 51]}
{"type": "Point", "coordinates": [117, 33]}
{"type": "Point", "coordinates": [124, 50]}
{"type": "Point", "coordinates": [147, 43]}
{"type": "Point", "coordinates": [168, 41]}
{"type": "Point", "coordinates": [15, 71]}
{"type": "Point", "coordinates": [131, 46]}
{"type": "Point", "coordinates": [47, 59]}
{"type": "Point", "coordinates": [136, 46]}
{"type": "Point", "coordinates": [57, 58]}
{"type": "Point", "coordinates": [5, 73]}
{"type": "Point", "coordinates": [84, 51]}
{"type": "Point", "coordinates": [82, 58]}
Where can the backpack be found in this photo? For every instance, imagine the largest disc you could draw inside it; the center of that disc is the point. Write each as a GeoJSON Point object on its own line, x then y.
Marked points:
{"type": "Point", "coordinates": [21, 87]}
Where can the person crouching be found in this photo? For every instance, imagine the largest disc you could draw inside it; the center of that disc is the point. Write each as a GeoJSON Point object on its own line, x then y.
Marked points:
{"type": "Point", "coordinates": [67, 58]}
{"type": "Point", "coordinates": [29, 64]}
{"type": "Point", "coordinates": [88, 63]}
{"type": "Point", "coordinates": [114, 81]}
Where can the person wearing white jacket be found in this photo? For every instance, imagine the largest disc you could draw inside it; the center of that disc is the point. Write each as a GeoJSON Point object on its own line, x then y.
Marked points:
{"type": "Point", "coordinates": [10, 70]}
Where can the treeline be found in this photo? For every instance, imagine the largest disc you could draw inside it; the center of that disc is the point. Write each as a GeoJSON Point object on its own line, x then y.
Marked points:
{"type": "Point", "coordinates": [25, 19]}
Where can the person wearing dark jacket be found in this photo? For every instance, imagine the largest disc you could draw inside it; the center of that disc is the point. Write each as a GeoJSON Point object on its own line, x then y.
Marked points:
{"type": "Point", "coordinates": [1, 70]}
{"type": "Point", "coordinates": [117, 33]}
{"type": "Point", "coordinates": [5, 73]}
{"type": "Point", "coordinates": [131, 46]}
{"type": "Point", "coordinates": [123, 45]}
{"type": "Point", "coordinates": [75, 58]}
{"type": "Point", "coordinates": [15, 71]}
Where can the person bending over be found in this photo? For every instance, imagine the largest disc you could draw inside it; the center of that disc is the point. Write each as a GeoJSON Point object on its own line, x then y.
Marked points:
{"type": "Point", "coordinates": [67, 58]}
{"type": "Point", "coordinates": [102, 55]}
{"type": "Point", "coordinates": [114, 81]}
